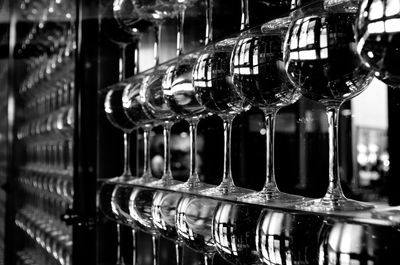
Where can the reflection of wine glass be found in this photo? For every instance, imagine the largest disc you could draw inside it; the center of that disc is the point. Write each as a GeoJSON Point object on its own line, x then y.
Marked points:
{"type": "Point", "coordinates": [258, 74]}
{"type": "Point", "coordinates": [320, 59]}
{"type": "Point", "coordinates": [234, 232]}
{"type": "Point", "coordinates": [377, 33]}
{"type": "Point", "coordinates": [193, 225]}
{"type": "Point", "coordinates": [355, 243]}
{"type": "Point", "coordinates": [288, 238]}
{"type": "Point", "coordinates": [163, 214]}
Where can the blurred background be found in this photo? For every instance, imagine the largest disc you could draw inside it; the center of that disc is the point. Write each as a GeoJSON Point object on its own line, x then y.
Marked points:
{"type": "Point", "coordinates": [368, 134]}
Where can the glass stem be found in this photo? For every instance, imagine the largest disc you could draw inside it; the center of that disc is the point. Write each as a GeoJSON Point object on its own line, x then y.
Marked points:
{"type": "Point", "coordinates": [137, 155]}
{"type": "Point", "coordinates": [167, 151]}
{"type": "Point", "coordinates": [157, 39]}
{"type": "Point", "coordinates": [135, 72]}
{"type": "Point", "coordinates": [127, 155]}
{"type": "Point", "coordinates": [136, 58]}
{"type": "Point", "coordinates": [334, 189]}
{"type": "Point", "coordinates": [244, 22]}
{"type": "Point", "coordinates": [209, 22]}
{"type": "Point", "coordinates": [134, 247]}
{"type": "Point", "coordinates": [193, 175]}
{"type": "Point", "coordinates": [208, 259]}
{"type": "Point", "coordinates": [156, 243]}
{"type": "Point", "coordinates": [121, 62]}
{"type": "Point", "coordinates": [270, 186]}
{"type": "Point", "coordinates": [146, 147]}
{"type": "Point", "coordinates": [179, 37]}
{"type": "Point", "coordinates": [179, 253]}
{"type": "Point", "coordinates": [227, 180]}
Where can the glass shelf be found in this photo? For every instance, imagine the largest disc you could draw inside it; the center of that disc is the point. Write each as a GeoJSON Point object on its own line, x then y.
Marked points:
{"type": "Point", "coordinates": [379, 215]}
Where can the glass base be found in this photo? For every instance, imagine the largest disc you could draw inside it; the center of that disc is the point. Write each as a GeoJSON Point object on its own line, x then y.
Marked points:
{"type": "Point", "coordinates": [144, 180]}
{"type": "Point", "coordinates": [161, 183]}
{"type": "Point", "coordinates": [331, 205]}
{"type": "Point", "coordinates": [122, 178]}
{"type": "Point", "coordinates": [231, 192]}
{"type": "Point", "coordinates": [272, 198]}
{"type": "Point", "coordinates": [191, 187]}
{"type": "Point", "coordinates": [391, 214]}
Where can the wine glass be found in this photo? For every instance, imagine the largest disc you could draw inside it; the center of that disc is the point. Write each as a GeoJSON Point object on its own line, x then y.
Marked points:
{"type": "Point", "coordinates": [163, 207]}
{"type": "Point", "coordinates": [288, 237]}
{"type": "Point", "coordinates": [214, 90]}
{"type": "Point", "coordinates": [123, 26]}
{"type": "Point", "coordinates": [234, 232]}
{"type": "Point", "coordinates": [115, 113]}
{"type": "Point", "coordinates": [164, 203]}
{"type": "Point", "coordinates": [151, 97]}
{"type": "Point", "coordinates": [258, 75]}
{"type": "Point", "coordinates": [209, 92]}
{"type": "Point", "coordinates": [140, 198]}
{"type": "Point", "coordinates": [377, 38]}
{"type": "Point", "coordinates": [321, 60]}
{"type": "Point", "coordinates": [180, 95]}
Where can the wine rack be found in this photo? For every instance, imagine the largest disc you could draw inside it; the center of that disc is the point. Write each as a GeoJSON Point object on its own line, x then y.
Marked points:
{"type": "Point", "coordinates": [44, 143]}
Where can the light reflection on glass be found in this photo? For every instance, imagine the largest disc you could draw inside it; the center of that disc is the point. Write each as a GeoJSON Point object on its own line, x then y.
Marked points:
{"type": "Point", "coordinates": [303, 45]}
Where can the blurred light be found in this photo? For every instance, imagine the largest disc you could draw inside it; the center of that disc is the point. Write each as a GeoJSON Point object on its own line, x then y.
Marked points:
{"type": "Point", "coordinates": [376, 10]}
{"type": "Point", "coordinates": [373, 148]}
{"type": "Point", "coordinates": [183, 134]}
{"type": "Point", "coordinates": [392, 7]}
{"type": "Point", "coordinates": [117, 6]}
{"type": "Point", "coordinates": [376, 27]}
{"type": "Point", "coordinates": [392, 25]}
{"type": "Point", "coordinates": [370, 54]}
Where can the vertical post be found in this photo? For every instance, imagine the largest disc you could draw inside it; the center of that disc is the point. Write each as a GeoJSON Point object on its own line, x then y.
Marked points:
{"type": "Point", "coordinates": [85, 130]}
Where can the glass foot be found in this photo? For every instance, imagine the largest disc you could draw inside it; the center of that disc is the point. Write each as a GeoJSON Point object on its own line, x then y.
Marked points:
{"type": "Point", "coordinates": [331, 205]}
{"type": "Point", "coordinates": [272, 198]}
{"type": "Point", "coordinates": [191, 187]}
{"type": "Point", "coordinates": [231, 192]}
{"type": "Point", "coordinates": [391, 214]}
{"type": "Point", "coordinates": [161, 183]}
